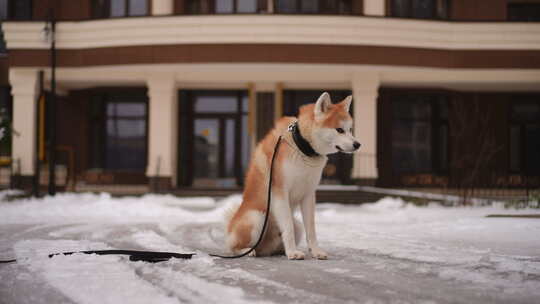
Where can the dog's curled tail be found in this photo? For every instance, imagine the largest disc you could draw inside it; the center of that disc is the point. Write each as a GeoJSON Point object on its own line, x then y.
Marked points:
{"type": "Point", "coordinates": [229, 212]}
{"type": "Point", "coordinates": [228, 215]}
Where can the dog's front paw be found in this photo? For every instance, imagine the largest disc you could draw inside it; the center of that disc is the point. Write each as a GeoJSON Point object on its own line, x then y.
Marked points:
{"type": "Point", "coordinates": [318, 253]}
{"type": "Point", "coordinates": [295, 255]}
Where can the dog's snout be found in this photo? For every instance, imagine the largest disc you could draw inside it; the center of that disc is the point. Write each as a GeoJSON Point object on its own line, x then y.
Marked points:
{"type": "Point", "coordinates": [356, 145]}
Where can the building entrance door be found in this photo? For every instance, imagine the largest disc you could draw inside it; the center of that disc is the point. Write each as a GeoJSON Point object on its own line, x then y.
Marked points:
{"type": "Point", "coordinates": [214, 152]}
{"type": "Point", "coordinates": [214, 144]}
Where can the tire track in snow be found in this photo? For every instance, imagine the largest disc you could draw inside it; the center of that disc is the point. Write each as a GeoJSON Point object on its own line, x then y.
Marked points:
{"type": "Point", "coordinates": [188, 287]}
{"type": "Point", "coordinates": [87, 278]}
{"type": "Point", "coordinates": [205, 268]}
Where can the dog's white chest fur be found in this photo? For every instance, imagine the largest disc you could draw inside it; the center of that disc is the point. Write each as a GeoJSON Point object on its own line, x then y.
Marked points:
{"type": "Point", "coordinates": [302, 176]}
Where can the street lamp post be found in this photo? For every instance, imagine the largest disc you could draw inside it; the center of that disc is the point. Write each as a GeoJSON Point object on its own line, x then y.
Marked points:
{"type": "Point", "coordinates": [50, 31]}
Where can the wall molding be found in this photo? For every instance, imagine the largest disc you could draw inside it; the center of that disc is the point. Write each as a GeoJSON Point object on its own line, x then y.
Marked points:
{"type": "Point", "coordinates": [278, 29]}
{"type": "Point", "coordinates": [298, 76]}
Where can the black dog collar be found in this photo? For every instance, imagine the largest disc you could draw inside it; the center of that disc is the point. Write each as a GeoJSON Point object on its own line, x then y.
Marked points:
{"type": "Point", "coordinates": [300, 141]}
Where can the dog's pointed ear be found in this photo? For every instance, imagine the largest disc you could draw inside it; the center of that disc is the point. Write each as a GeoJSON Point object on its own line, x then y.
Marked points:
{"type": "Point", "coordinates": [347, 102]}
{"type": "Point", "coordinates": [322, 104]}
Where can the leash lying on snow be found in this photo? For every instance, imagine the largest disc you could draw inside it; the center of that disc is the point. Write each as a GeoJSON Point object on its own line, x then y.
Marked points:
{"type": "Point", "coordinates": [157, 256]}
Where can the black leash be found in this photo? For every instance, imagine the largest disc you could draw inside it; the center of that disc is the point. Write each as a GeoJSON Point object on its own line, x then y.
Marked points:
{"type": "Point", "coordinates": [156, 256]}
{"type": "Point", "coordinates": [135, 255]}
{"type": "Point", "coordinates": [7, 261]}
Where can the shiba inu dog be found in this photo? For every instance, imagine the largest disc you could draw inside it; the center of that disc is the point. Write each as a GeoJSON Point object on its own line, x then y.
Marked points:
{"type": "Point", "coordinates": [321, 128]}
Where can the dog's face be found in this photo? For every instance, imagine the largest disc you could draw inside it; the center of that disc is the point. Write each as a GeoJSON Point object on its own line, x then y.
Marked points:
{"type": "Point", "coordinates": [333, 126]}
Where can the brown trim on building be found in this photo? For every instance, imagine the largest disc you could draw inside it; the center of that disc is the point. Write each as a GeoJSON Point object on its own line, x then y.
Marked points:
{"type": "Point", "coordinates": [466, 10]}
{"type": "Point", "coordinates": [262, 6]}
{"type": "Point", "coordinates": [110, 177]}
{"type": "Point", "coordinates": [160, 184]}
{"type": "Point", "coordinates": [179, 7]}
{"type": "Point", "coordinates": [281, 53]}
{"type": "Point", "coordinates": [69, 10]}
{"type": "Point", "coordinates": [64, 9]}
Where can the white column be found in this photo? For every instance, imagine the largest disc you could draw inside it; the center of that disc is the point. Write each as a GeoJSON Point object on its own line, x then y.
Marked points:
{"type": "Point", "coordinates": [24, 89]}
{"type": "Point", "coordinates": [365, 86]}
{"type": "Point", "coordinates": [162, 7]}
{"type": "Point", "coordinates": [374, 7]}
{"type": "Point", "coordinates": [162, 126]}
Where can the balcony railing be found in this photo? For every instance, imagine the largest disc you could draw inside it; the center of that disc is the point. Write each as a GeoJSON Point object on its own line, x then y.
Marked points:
{"type": "Point", "coordinates": [440, 10]}
{"type": "Point", "coordinates": [320, 7]}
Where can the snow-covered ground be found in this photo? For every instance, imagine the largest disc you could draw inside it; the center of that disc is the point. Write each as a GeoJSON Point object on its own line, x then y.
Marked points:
{"type": "Point", "coordinates": [386, 252]}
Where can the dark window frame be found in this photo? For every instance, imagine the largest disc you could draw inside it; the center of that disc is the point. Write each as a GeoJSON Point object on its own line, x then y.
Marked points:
{"type": "Point", "coordinates": [323, 9]}
{"type": "Point", "coordinates": [410, 14]}
{"type": "Point", "coordinates": [235, 8]}
{"type": "Point", "coordinates": [186, 139]}
{"type": "Point", "coordinates": [3, 46]}
{"type": "Point", "coordinates": [11, 15]}
{"type": "Point", "coordinates": [522, 127]}
{"type": "Point", "coordinates": [6, 104]}
{"type": "Point", "coordinates": [514, 11]}
{"type": "Point", "coordinates": [103, 10]}
{"type": "Point", "coordinates": [116, 118]}
{"type": "Point", "coordinates": [193, 7]}
{"type": "Point", "coordinates": [99, 118]}
{"type": "Point", "coordinates": [437, 123]}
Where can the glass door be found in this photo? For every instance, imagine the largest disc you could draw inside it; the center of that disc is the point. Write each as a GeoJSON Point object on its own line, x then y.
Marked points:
{"type": "Point", "coordinates": [214, 152]}
{"type": "Point", "coordinates": [214, 144]}
{"type": "Point", "coordinates": [207, 146]}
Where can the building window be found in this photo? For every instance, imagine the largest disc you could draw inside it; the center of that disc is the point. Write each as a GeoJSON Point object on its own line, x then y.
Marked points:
{"type": "Point", "coordinates": [126, 135]}
{"type": "Point", "coordinates": [6, 107]}
{"type": "Point", "coordinates": [524, 133]}
{"type": "Point", "coordinates": [214, 140]}
{"type": "Point", "coordinates": [419, 133]}
{"type": "Point", "coordinates": [331, 7]}
{"type": "Point", "coordinates": [525, 12]}
{"type": "Point", "coordinates": [15, 9]}
{"type": "Point", "coordinates": [3, 10]}
{"type": "Point", "coordinates": [420, 9]}
{"type": "Point", "coordinates": [3, 48]}
{"type": "Point", "coordinates": [223, 6]}
{"type": "Point", "coordinates": [119, 132]}
{"type": "Point", "coordinates": [3, 16]}
{"type": "Point", "coordinates": [119, 8]}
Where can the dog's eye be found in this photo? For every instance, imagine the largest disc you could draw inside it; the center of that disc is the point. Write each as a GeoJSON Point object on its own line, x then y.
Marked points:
{"type": "Point", "coordinates": [340, 130]}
